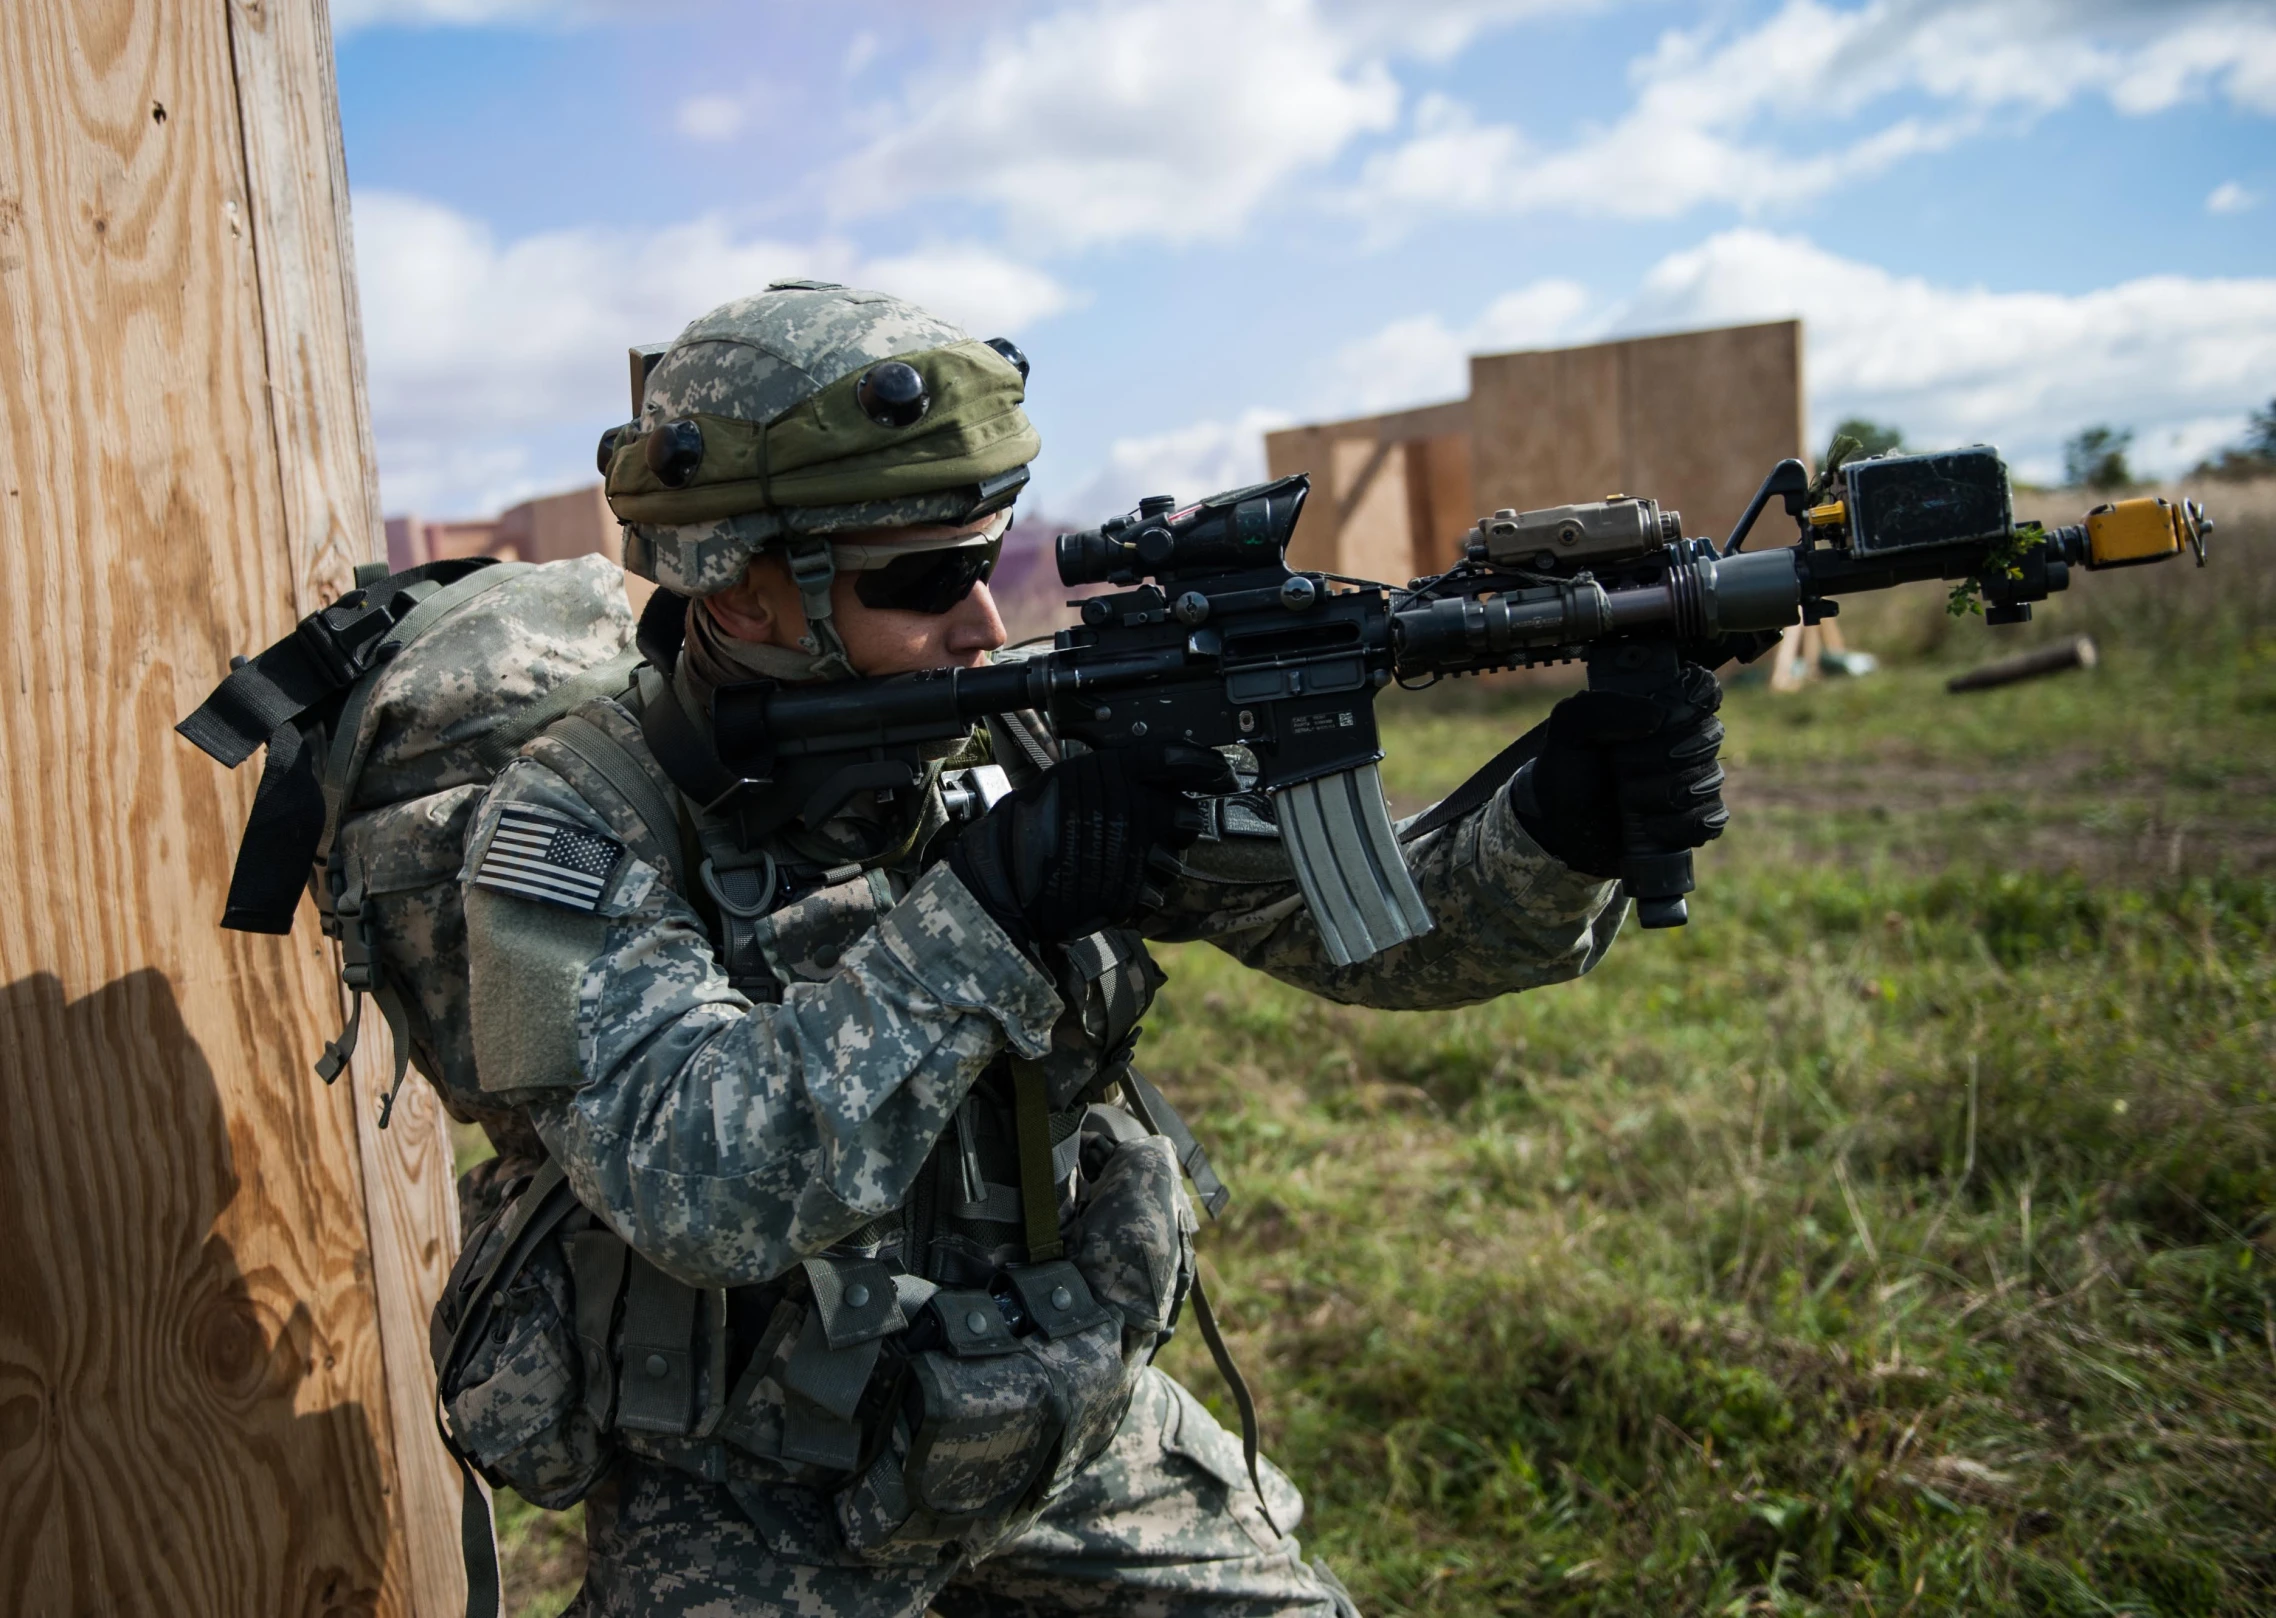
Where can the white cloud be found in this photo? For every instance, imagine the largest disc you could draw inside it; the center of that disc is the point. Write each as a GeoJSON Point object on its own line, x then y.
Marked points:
{"type": "Point", "coordinates": [494, 364]}
{"type": "Point", "coordinates": [1187, 462]}
{"type": "Point", "coordinates": [1434, 29]}
{"type": "Point", "coordinates": [2171, 356]}
{"type": "Point", "coordinates": [2230, 197]}
{"type": "Point", "coordinates": [1172, 119]}
{"type": "Point", "coordinates": [1712, 103]}
{"type": "Point", "coordinates": [2180, 360]}
{"type": "Point", "coordinates": [711, 117]}
{"type": "Point", "coordinates": [1421, 360]}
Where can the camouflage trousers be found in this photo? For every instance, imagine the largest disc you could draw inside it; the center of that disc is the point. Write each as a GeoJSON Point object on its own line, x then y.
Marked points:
{"type": "Point", "coordinates": [1164, 1524]}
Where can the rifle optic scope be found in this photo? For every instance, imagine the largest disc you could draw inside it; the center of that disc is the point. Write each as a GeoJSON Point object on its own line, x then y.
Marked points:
{"type": "Point", "coordinates": [1241, 528]}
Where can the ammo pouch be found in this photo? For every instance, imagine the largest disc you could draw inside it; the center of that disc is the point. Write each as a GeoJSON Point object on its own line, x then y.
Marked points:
{"type": "Point", "coordinates": [510, 1371]}
{"type": "Point", "coordinates": [1007, 1393]}
{"type": "Point", "coordinates": [989, 1419]}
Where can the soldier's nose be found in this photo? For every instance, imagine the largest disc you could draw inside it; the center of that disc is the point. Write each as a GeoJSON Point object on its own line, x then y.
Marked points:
{"type": "Point", "coordinates": [974, 625]}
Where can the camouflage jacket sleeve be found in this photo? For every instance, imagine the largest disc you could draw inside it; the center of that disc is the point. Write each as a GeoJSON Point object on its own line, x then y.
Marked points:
{"type": "Point", "coordinates": [1508, 916]}
{"type": "Point", "coordinates": [725, 1140]}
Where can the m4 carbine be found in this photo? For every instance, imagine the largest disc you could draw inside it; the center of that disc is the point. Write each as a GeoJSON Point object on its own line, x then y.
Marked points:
{"type": "Point", "coordinates": [1213, 639]}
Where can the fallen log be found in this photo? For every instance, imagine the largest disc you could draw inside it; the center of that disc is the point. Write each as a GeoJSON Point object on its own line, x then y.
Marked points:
{"type": "Point", "coordinates": [2077, 652]}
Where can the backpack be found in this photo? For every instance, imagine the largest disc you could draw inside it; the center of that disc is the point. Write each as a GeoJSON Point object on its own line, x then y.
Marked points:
{"type": "Point", "coordinates": [386, 715]}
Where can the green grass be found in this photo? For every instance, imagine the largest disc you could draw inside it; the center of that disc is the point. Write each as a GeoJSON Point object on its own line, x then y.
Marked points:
{"type": "Point", "coordinates": [1893, 1240]}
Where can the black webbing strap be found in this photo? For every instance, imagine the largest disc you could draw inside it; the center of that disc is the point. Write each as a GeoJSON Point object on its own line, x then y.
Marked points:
{"type": "Point", "coordinates": [681, 748]}
{"type": "Point", "coordinates": [267, 701]}
{"type": "Point", "coordinates": [477, 1539]}
{"type": "Point", "coordinates": [1038, 1186]}
{"type": "Point", "coordinates": [1489, 779]}
{"type": "Point", "coordinates": [287, 817]}
{"type": "Point", "coordinates": [1155, 1112]}
{"type": "Point", "coordinates": [1206, 1318]}
{"type": "Point", "coordinates": [663, 629]}
{"type": "Point", "coordinates": [1153, 1109]}
{"type": "Point", "coordinates": [327, 652]}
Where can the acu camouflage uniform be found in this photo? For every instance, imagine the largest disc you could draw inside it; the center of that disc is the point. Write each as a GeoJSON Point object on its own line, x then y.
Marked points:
{"type": "Point", "coordinates": [801, 1120]}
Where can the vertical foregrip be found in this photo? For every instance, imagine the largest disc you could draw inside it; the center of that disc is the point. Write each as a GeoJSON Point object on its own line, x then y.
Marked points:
{"type": "Point", "coordinates": [1656, 878]}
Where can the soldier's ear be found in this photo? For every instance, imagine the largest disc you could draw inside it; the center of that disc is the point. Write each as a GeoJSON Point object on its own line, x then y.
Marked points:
{"type": "Point", "coordinates": [748, 611]}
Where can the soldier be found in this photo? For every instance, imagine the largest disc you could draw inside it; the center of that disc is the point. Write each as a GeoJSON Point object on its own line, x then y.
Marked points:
{"type": "Point", "coordinates": [851, 1082]}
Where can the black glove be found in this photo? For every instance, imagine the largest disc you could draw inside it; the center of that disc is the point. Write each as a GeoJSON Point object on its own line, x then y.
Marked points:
{"type": "Point", "coordinates": [1609, 755]}
{"type": "Point", "coordinates": [1078, 849]}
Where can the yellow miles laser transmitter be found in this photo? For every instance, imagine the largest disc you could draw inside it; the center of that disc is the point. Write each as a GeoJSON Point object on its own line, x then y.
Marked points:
{"type": "Point", "coordinates": [2148, 529]}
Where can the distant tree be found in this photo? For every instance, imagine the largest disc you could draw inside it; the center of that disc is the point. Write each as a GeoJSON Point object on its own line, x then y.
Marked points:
{"type": "Point", "coordinates": [1874, 437]}
{"type": "Point", "coordinates": [2254, 457]}
{"type": "Point", "coordinates": [2095, 458]}
{"type": "Point", "coordinates": [2260, 435]}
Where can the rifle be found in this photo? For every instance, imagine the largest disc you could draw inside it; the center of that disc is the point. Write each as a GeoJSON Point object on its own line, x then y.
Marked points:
{"type": "Point", "coordinates": [1213, 639]}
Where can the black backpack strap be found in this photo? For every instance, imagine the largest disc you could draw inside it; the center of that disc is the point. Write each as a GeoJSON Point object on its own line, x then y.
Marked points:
{"type": "Point", "coordinates": [287, 816]}
{"type": "Point", "coordinates": [277, 700]}
{"type": "Point", "coordinates": [328, 651]}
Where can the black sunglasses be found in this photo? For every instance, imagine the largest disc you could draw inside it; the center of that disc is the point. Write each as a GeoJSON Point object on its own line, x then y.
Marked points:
{"type": "Point", "coordinates": [928, 581]}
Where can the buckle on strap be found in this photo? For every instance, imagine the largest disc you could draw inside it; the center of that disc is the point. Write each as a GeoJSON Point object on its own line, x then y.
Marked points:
{"type": "Point", "coordinates": [340, 640]}
{"type": "Point", "coordinates": [812, 566]}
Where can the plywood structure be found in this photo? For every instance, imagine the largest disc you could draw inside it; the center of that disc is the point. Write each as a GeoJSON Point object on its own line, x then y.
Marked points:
{"type": "Point", "coordinates": [1693, 420]}
{"type": "Point", "coordinates": [213, 1271]}
{"type": "Point", "coordinates": [1391, 494]}
{"type": "Point", "coordinates": [552, 528]}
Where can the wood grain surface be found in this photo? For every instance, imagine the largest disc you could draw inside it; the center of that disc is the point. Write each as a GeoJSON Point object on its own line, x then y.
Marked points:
{"type": "Point", "coordinates": [206, 1361]}
{"type": "Point", "coordinates": [329, 489]}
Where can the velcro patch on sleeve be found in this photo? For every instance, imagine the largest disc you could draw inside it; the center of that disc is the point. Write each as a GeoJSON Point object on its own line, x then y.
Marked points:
{"type": "Point", "coordinates": [543, 859]}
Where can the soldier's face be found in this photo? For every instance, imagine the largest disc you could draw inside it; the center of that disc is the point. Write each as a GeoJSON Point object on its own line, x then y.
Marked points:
{"type": "Point", "coordinates": [764, 608]}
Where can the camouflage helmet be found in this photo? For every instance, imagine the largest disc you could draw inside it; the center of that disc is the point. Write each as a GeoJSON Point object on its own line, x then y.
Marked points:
{"type": "Point", "coordinates": [807, 410]}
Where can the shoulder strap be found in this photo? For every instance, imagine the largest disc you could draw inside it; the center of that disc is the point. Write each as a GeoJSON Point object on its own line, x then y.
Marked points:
{"type": "Point", "coordinates": [613, 762]}
{"type": "Point", "coordinates": [681, 748]}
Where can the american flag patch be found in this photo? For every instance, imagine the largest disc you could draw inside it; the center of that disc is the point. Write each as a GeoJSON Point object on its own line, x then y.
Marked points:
{"type": "Point", "coordinates": [542, 859]}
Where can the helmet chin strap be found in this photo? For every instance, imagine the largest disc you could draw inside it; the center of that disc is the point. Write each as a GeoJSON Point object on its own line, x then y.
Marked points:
{"type": "Point", "coordinates": [813, 567]}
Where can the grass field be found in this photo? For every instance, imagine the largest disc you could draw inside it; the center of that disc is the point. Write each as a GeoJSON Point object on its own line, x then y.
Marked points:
{"type": "Point", "coordinates": [1895, 1239]}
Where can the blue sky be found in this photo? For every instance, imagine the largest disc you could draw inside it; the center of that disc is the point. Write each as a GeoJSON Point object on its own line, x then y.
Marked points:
{"type": "Point", "coordinates": [2002, 220]}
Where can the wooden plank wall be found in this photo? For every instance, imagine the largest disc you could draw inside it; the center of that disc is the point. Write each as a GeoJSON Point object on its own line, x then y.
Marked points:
{"type": "Point", "coordinates": [213, 1272]}
{"type": "Point", "coordinates": [1390, 494]}
{"type": "Point", "coordinates": [1692, 420]}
